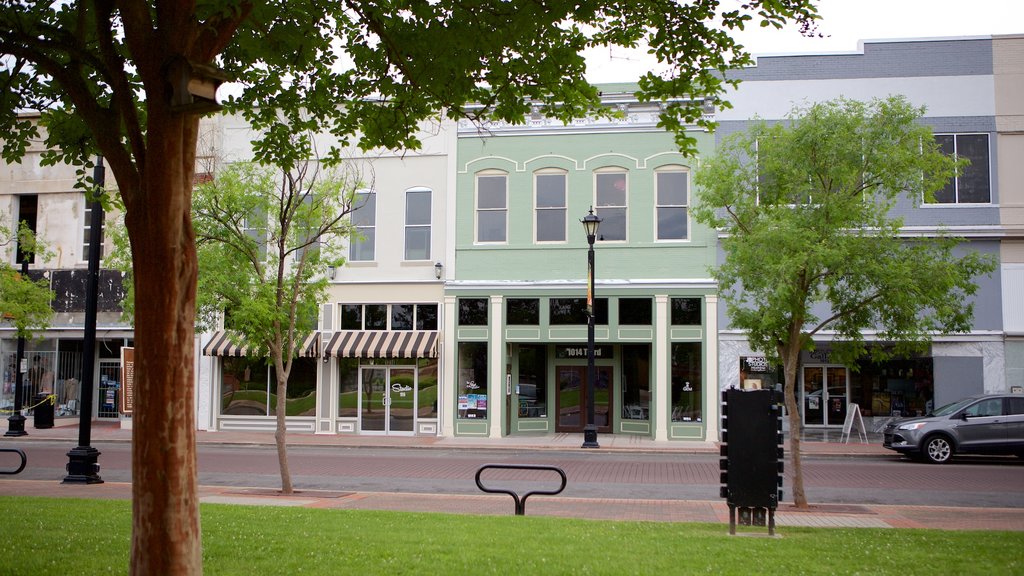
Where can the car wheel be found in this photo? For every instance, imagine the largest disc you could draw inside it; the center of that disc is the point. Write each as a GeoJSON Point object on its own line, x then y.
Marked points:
{"type": "Point", "coordinates": [938, 449]}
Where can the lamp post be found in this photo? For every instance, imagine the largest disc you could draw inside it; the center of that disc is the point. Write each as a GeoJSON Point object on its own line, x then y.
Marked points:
{"type": "Point", "coordinates": [16, 423]}
{"type": "Point", "coordinates": [590, 224]}
{"type": "Point", "coordinates": [82, 466]}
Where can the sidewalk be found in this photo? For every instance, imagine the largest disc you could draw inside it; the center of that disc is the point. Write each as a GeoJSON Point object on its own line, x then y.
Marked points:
{"type": "Point", "coordinates": [814, 442]}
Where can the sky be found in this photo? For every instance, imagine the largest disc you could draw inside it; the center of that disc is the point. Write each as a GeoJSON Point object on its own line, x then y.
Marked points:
{"type": "Point", "coordinates": [845, 23]}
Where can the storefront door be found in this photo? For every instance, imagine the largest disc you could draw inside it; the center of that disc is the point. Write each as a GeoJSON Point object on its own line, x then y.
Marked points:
{"type": "Point", "coordinates": [387, 400]}
{"type": "Point", "coordinates": [571, 399]}
{"type": "Point", "coordinates": [824, 395]}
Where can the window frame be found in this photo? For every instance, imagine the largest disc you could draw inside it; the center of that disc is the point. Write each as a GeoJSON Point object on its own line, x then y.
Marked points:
{"type": "Point", "coordinates": [624, 207]}
{"type": "Point", "coordinates": [372, 242]}
{"type": "Point", "coordinates": [417, 225]}
{"type": "Point", "coordinates": [537, 209]}
{"type": "Point", "coordinates": [478, 211]}
{"type": "Point", "coordinates": [956, 179]}
{"type": "Point", "coordinates": [672, 169]}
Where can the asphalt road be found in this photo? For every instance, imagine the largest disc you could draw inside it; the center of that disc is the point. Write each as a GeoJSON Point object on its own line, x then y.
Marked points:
{"type": "Point", "coordinates": [968, 482]}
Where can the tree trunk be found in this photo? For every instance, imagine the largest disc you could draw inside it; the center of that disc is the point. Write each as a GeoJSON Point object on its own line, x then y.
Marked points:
{"type": "Point", "coordinates": [279, 435]}
{"type": "Point", "coordinates": [790, 355]}
{"type": "Point", "coordinates": [165, 507]}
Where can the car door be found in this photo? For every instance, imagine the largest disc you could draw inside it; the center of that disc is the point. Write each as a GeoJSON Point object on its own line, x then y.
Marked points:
{"type": "Point", "coordinates": [982, 425]}
{"type": "Point", "coordinates": [1015, 423]}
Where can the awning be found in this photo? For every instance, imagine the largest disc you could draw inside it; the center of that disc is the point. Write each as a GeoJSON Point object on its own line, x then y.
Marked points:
{"type": "Point", "coordinates": [221, 345]}
{"type": "Point", "coordinates": [383, 344]}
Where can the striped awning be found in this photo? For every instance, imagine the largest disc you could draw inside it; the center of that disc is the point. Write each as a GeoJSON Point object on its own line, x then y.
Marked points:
{"type": "Point", "coordinates": [222, 345]}
{"type": "Point", "coordinates": [383, 344]}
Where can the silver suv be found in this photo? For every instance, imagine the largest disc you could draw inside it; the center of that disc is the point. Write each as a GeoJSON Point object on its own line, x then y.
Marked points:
{"type": "Point", "coordinates": [990, 424]}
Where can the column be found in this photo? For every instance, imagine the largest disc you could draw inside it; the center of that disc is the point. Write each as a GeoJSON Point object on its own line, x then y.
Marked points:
{"type": "Point", "coordinates": [496, 365]}
{"type": "Point", "coordinates": [662, 362]}
{"type": "Point", "coordinates": [449, 370]}
{"type": "Point", "coordinates": [712, 402]}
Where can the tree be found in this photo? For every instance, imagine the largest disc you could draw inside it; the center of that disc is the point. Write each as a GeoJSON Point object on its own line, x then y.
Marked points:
{"type": "Point", "coordinates": [811, 243]}
{"type": "Point", "coordinates": [24, 303]}
{"type": "Point", "coordinates": [264, 241]}
{"type": "Point", "coordinates": [113, 77]}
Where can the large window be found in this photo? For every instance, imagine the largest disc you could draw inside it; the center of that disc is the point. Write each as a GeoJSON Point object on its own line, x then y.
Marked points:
{"type": "Point", "coordinates": [388, 316]}
{"type": "Point", "coordinates": [636, 381]}
{"type": "Point", "coordinates": [671, 207]}
{"type": "Point", "coordinates": [417, 224]}
{"type": "Point", "coordinates": [686, 382]}
{"type": "Point", "coordinates": [28, 209]}
{"type": "Point", "coordinates": [348, 387]}
{"type": "Point", "coordinates": [492, 208]}
{"type": "Point", "coordinates": [426, 381]}
{"type": "Point", "coordinates": [972, 186]}
{"type": "Point", "coordinates": [472, 380]}
{"type": "Point", "coordinates": [550, 206]}
{"type": "Point", "coordinates": [532, 388]}
{"type": "Point", "coordinates": [364, 218]}
{"type": "Point", "coordinates": [249, 387]}
{"type": "Point", "coordinates": [610, 188]}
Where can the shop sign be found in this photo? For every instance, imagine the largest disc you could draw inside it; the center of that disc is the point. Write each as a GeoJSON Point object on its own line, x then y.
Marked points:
{"type": "Point", "coordinates": [756, 364]}
{"type": "Point", "coordinates": [580, 352]}
{"type": "Point", "coordinates": [127, 379]}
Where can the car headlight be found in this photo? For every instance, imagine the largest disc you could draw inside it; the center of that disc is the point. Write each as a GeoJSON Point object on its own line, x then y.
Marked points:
{"type": "Point", "coordinates": [911, 426]}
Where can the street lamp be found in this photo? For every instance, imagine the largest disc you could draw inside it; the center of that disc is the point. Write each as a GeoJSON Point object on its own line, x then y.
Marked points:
{"type": "Point", "coordinates": [82, 465]}
{"type": "Point", "coordinates": [590, 224]}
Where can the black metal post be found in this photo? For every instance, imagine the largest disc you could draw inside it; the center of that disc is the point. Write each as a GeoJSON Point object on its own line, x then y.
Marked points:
{"type": "Point", "coordinates": [16, 422]}
{"type": "Point", "coordinates": [590, 429]}
{"type": "Point", "coordinates": [82, 465]}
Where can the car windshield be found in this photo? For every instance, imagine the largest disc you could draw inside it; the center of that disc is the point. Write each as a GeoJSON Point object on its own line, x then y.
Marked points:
{"type": "Point", "coordinates": [951, 408]}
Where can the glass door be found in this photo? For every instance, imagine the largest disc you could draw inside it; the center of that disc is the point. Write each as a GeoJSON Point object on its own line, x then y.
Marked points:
{"type": "Point", "coordinates": [372, 399]}
{"type": "Point", "coordinates": [571, 398]}
{"type": "Point", "coordinates": [824, 395]}
{"type": "Point", "coordinates": [387, 400]}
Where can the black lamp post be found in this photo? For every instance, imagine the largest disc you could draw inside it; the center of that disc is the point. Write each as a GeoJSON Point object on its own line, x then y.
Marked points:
{"type": "Point", "coordinates": [82, 465]}
{"type": "Point", "coordinates": [590, 224]}
{"type": "Point", "coordinates": [16, 423]}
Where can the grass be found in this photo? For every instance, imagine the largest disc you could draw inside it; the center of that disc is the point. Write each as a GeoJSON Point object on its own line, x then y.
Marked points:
{"type": "Point", "coordinates": [44, 536]}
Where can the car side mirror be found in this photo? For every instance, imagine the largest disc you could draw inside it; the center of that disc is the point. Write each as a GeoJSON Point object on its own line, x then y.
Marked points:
{"type": "Point", "coordinates": [963, 416]}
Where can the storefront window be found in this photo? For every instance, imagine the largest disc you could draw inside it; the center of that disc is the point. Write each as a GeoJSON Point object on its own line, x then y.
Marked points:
{"type": "Point", "coordinates": [473, 311]}
{"type": "Point", "coordinates": [301, 389]}
{"type": "Point", "coordinates": [904, 387]}
{"type": "Point", "coordinates": [757, 374]}
{"type": "Point", "coordinates": [244, 389]}
{"type": "Point", "coordinates": [523, 311]}
{"type": "Point", "coordinates": [472, 383]}
{"type": "Point", "coordinates": [348, 387]}
{"type": "Point", "coordinates": [351, 316]}
{"type": "Point", "coordinates": [532, 387]}
{"type": "Point", "coordinates": [686, 382]}
{"type": "Point", "coordinates": [426, 398]}
{"type": "Point", "coordinates": [636, 381]}
{"type": "Point", "coordinates": [401, 316]}
{"type": "Point", "coordinates": [686, 311]}
{"type": "Point", "coordinates": [376, 316]}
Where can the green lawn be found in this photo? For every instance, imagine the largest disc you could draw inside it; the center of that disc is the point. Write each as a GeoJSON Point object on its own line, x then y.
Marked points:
{"type": "Point", "coordinates": [44, 536]}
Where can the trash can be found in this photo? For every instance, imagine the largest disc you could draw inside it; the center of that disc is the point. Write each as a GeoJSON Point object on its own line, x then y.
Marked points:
{"type": "Point", "coordinates": [43, 411]}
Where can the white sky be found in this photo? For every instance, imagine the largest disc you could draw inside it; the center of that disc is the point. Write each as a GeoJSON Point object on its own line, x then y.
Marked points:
{"type": "Point", "coordinates": [845, 23]}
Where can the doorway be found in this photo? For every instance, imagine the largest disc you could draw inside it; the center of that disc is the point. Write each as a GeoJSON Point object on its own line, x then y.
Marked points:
{"type": "Point", "coordinates": [571, 399]}
{"type": "Point", "coordinates": [387, 400]}
{"type": "Point", "coordinates": [825, 395]}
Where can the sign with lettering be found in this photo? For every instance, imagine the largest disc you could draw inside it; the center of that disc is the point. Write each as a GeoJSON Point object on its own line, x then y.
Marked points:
{"type": "Point", "coordinates": [127, 379]}
{"type": "Point", "coordinates": [756, 364]}
{"type": "Point", "coordinates": [580, 352]}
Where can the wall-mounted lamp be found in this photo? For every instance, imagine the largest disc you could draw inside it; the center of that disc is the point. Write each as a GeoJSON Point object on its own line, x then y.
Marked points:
{"type": "Point", "coordinates": [331, 271]}
{"type": "Point", "coordinates": [437, 270]}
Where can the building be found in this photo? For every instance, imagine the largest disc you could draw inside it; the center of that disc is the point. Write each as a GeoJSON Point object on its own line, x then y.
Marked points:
{"type": "Point", "coordinates": [972, 92]}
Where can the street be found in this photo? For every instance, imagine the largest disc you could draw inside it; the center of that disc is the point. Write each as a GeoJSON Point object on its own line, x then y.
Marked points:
{"type": "Point", "coordinates": [967, 482]}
